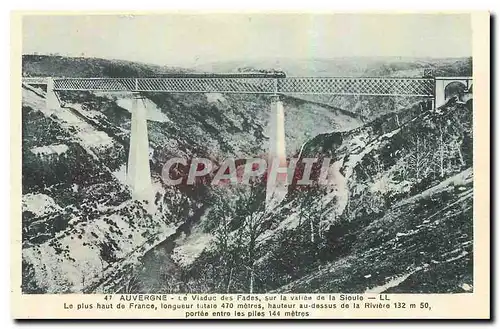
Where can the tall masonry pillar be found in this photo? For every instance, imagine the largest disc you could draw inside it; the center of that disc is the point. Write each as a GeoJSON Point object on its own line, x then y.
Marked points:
{"type": "Point", "coordinates": [276, 188]}
{"type": "Point", "coordinates": [138, 172]}
{"type": "Point", "coordinates": [439, 93]}
{"type": "Point", "coordinates": [51, 100]}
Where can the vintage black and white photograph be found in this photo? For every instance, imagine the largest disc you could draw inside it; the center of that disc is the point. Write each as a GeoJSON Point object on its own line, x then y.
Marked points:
{"type": "Point", "coordinates": [247, 153]}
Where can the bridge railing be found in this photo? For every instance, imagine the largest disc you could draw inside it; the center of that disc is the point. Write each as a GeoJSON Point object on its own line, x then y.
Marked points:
{"type": "Point", "coordinates": [204, 85]}
{"type": "Point", "coordinates": [95, 84]}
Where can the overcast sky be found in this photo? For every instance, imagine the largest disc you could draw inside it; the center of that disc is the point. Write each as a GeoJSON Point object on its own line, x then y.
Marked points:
{"type": "Point", "coordinates": [189, 39]}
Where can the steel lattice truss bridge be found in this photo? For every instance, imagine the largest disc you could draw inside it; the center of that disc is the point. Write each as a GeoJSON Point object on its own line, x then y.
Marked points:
{"type": "Point", "coordinates": [250, 84]}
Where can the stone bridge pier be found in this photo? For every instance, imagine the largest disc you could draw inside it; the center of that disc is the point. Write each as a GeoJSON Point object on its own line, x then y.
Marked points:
{"type": "Point", "coordinates": [276, 185]}
{"type": "Point", "coordinates": [51, 99]}
{"type": "Point", "coordinates": [138, 171]}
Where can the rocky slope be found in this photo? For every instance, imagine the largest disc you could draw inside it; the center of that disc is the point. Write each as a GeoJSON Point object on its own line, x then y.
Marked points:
{"type": "Point", "coordinates": [397, 216]}
{"type": "Point", "coordinates": [407, 223]}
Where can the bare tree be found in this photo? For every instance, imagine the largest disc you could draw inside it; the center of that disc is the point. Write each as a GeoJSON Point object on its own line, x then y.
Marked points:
{"type": "Point", "coordinates": [251, 210]}
{"type": "Point", "coordinates": [237, 223]}
{"type": "Point", "coordinates": [420, 156]}
{"type": "Point", "coordinates": [221, 214]}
